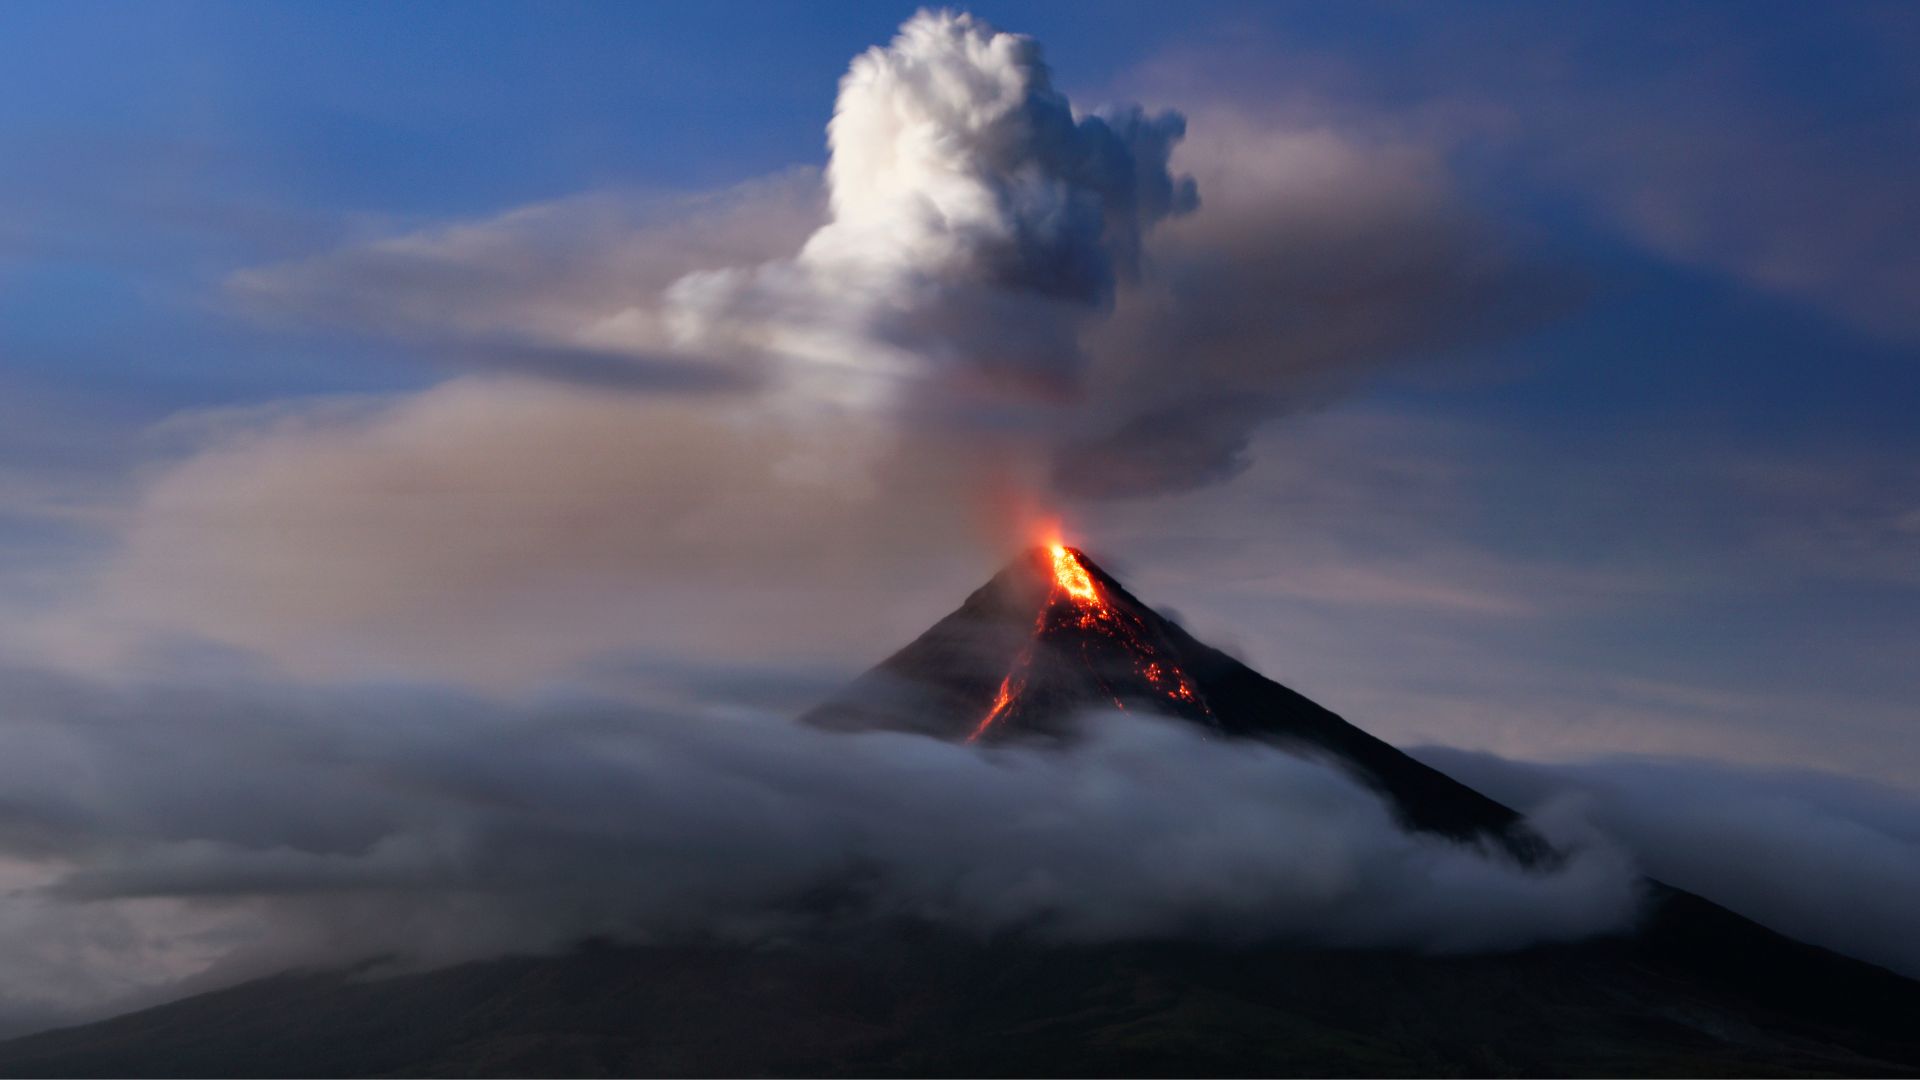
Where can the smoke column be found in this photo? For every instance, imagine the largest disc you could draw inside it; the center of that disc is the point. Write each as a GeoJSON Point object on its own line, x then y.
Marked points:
{"type": "Point", "coordinates": [975, 219]}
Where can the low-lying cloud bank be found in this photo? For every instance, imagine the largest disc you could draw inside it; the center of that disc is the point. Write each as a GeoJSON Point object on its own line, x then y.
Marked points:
{"type": "Point", "coordinates": [1827, 859]}
{"type": "Point", "coordinates": [160, 838]}
{"type": "Point", "coordinates": [159, 834]}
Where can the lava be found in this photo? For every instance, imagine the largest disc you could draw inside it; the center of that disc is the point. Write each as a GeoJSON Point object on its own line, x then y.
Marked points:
{"type": "Point", "coordinates": [1071, 577]}
{"type": "Point", "coordinates": [1074, 585]}
{"type": "Point", "coordinates": [1001, 702]}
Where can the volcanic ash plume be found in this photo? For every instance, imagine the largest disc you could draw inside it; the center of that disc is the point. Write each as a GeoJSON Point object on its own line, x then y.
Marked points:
{"type": "Point", "coordinates": [1001, 311]}
{"type": "Point", "coordinates": [975, 218]}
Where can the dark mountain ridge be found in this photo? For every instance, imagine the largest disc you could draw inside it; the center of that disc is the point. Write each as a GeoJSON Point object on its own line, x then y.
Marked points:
{"type": "Point", "coordinates": [1686, 997]}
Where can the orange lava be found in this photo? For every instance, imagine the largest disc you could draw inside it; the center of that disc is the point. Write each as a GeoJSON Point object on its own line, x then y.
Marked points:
{"type": "Point", "coordinates": [1072, 584]}
{"type": "Point", "coordinates": [1072, 578]}
{"type": "Point", "coordinates": [1001, 702]}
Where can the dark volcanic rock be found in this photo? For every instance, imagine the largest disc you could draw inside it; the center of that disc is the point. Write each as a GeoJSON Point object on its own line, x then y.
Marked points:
{"type": "Point", "coordinates": [1697, 994]}
{"type": "Point", "coordinates": [944, 683]}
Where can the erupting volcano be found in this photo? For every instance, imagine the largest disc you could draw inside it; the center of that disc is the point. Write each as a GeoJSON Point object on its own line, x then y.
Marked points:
{"type": "Point", "coordinates": [1053, 640]}
{"type": "Point", "coordinates": [1050, 645]}
{"type": "Point", "coordinates": [1076, 600]}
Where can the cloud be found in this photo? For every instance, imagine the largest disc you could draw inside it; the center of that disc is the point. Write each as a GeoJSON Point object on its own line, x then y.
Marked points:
{"type": "Point", "coordinates": [68, 962]}
{"type": "Point", "coordinates": [302, 826]}
{"type": "Point", "coordinates": [976, 218]}
{"type": "Point", "coordinates": [540, 289]}
{"type": "Point", "coordinates": [1824, 858]}
{"type": "Point", "coordinates": [1708, 157]}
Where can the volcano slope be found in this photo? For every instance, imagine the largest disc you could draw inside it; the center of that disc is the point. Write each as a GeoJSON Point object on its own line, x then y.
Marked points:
{"type": "Point", "coordinates": [1693, 990]}
{"type": "Point", "coordinates": [1053, 636]}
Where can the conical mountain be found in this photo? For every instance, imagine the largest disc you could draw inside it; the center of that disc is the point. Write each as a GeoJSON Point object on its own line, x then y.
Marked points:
{"type": "Point", "coordinates": [1039, 652]}
{"type": "Point", "coordinates": [1053, 638]}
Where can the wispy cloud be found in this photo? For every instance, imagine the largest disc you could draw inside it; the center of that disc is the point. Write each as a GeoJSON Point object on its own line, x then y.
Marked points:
{"type": "Point", "coordinates": [1824, 858]}
{"type": "Point", "coordinates": [158, 831]}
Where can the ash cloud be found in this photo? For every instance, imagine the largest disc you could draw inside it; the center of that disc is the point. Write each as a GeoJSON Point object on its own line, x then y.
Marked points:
{"type": "Point", "coordinates": [252, 828]}
{"type": "Point", "coordinates": [507, 532]}
{"type": "Point", "coordinates": [998, 302]}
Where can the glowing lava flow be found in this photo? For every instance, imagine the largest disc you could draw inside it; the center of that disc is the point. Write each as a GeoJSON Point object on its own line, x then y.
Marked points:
{"type": "Point", "coordinates": [1072, 578]}
{"type": "Point", "coordinates": [1001, 701]}
{"type": "Point", "coordinates": [1091, 611]}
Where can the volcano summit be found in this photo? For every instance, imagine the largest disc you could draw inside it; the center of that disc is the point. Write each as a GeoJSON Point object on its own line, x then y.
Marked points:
{"type": "Point", "coordinates": [1053, 637]}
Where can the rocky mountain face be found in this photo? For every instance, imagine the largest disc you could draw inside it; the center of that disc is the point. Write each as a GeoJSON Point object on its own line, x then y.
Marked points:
{"type": "Point", "coordinates": [1053, 638]}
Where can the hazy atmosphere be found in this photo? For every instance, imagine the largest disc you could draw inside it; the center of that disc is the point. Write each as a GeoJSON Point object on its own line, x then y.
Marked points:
{"type": "Point", "coordinates": [441, 451]}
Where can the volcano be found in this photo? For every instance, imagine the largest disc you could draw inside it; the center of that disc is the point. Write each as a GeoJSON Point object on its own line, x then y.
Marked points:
{"type": "Point", "coordinates": [1044, 649]}
{"type": "Point", "coordinates": [1053, 640]}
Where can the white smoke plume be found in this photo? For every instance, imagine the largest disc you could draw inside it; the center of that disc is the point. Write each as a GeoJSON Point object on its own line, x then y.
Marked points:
{"type": "Point", "coordinates": [976, 216]}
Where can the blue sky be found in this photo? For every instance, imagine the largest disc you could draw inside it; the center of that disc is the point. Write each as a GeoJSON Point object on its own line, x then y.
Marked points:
{"type": "Point", "coordinates": [156, 148]}
{"type": "Point", "coordinates": [1674, 511]}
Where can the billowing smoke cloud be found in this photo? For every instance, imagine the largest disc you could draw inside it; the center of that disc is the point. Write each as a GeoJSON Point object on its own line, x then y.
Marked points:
{"type": "Point", "coordinates": [248, 829]}
{"type": "Point", "coordinates": [1829, 859]}
{"type": "Point", "coordinates": [975, 218]}
{"type": "Point", "coordinates": [1004, 304]}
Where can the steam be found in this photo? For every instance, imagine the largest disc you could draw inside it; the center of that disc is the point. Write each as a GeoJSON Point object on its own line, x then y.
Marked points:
{"type": "Point", "coordinates": [976, 217]}
{"type": "Point", "coordinates": [227, 833]}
